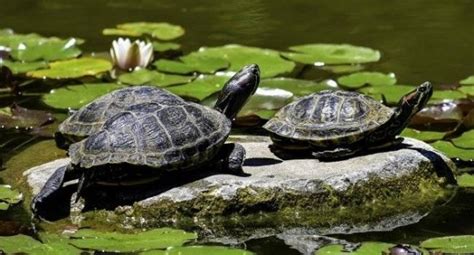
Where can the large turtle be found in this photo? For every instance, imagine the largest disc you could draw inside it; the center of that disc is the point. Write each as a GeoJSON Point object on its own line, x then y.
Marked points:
{"type": "Point", "coordinates": [335, 124]}
{"type": "Point", "coordinates": [146, 139]}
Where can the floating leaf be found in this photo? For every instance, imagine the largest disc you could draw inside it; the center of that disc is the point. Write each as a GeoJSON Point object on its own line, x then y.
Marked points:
{"type": "Point", "coordinates": [49, 51]}
{"type": "Point", "coordinates": [452, 151]}
{"type": "Point", "coordinates": [270, 62]}
{"type": "Point", "coordinates": [200, 250]}
{"type": "Point", "coordinates": [160, 30]}
{"type": "Point", "coordinates": [76, 96]}
{"type": "Point", "coordinates": [450, 244]}
{"type": "Point", "coordinates": [361, 79]}
{"type": "Point", "coordinates": [465, 141]}
{"type": "Point", "coordinates": [141, 241]}
{"type": "Point", "coordinates": [165, 46]}
{"type": "Point", "coordinates": [468, 81]}
{"type": "Point", "coordinates": [24, 67]}
{"type": "Point", "coordinates": [201, 87]}
{"type": "Point", "coordinates": [367, 248]}
{"type": "Point", "coordinates": [8, 197]}
{"type": "Point", "coordinates": [296, 86]}
{"type": "Point", "coordinates": [466, 180]}
{"type": "Point", "coordinates": [332, 54]}
{"type": "Point", "coordinates": [342, 68]}
{"type": "Point", "coordinates": [266, 99]}
{"type": "Point", "coordinates": [74, 68]}
{"type": "Point", "coordinates": [468, 90]}
{"type": "Point", "coordinates": [392, 94]}
{"type": "Point", "coordinates": [148, 77]}
{"type": "Point", "coordinates": [19, 117]}
{"type": "Point", "coordinates": [447, 94]}
{"type": "Point", "coordinates": [427, 136]}
{"type": "Point", "coordinates": [25, 244]}
{"type": "Point", "coordinates": [192, 63]}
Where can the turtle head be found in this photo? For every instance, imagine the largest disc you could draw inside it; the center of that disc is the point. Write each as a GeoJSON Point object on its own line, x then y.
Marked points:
{"type": "Point", "coordinates": [237, 91]}
{"type": "Point", "coordinates": [414, 101]}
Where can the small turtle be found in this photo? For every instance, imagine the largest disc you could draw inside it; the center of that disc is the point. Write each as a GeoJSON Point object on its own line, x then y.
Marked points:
{"type": "Point", "coordinates": [90, 118]}
{"type": "Point", "coordinates": [146, 139]}
{"type": "Point", "coordinates": [335, 124]}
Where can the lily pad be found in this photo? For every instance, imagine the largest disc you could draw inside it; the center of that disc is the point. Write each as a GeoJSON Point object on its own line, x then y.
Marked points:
{"type": "Point", "coordinates": [8, 197]}
{"type": "Point", "coordinates": [148, 77]}
{"type": "Point", "coordinates": [24, 67]}
{"type": "Point", "coordinates": [466, 180]}
{"type": "Point", "coordinates": [49, 51]}
{"type": "Point", "coordinates": [367, 248]}
{"type": "Point", "coordinates": [468, 81]}
{"type": "Point", "coordinates": [192, 63]}
{"type": "Point", "coordinates": [266, 99]}
{"type": "Point", "coordinates": [165, 46]}
{"type": "Point", "coordinates": [447, 94]}
{"type": "Point", "coordinates": [332, 54]}
{"type": "Point", "coordinates": [200, 88]}
{"type": "Point", "coordinates": [296, 86]}
{"type": "Point", "coordinates": [358, 80]}
{"type": "Point", "coordinates": [25, 244]}
{"type": "Point", "coordinates": [74, 68]}
{"type": "Point", "coordinates": [141, 241]}
{"type": "Point", "coordinates": [19, 117]}
{"type": "Point", "coordinates": [392, 94]}
{"type": "Point", "coordinates": [465, 141]}
{"type": "Point", "coordinates": [270, 62]}
{"type": "Point", "coordinates": [468, 90]}
{"type": "Point", "coordinates": [76, 96]}
{"type": "Point", "coordinates": [159, 30]}
{"type": "Point", "coordinates": [427, 136]}
{"type": "Point", "coordinates": [452, 151]}
{"type": "Point", "coordinates": [200, 250]}
{"type": "Point", "coordinates": [451, 244]}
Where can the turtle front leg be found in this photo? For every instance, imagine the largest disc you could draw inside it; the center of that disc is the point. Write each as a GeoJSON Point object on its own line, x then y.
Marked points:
{"type": "Point", "coordinates": [232, 157]}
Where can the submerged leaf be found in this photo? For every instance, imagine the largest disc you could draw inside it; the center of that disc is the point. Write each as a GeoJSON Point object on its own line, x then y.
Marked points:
{"type": "Point", "coordinates": [141, 241]}
{"type": "Point", "coordinates": [343, 68]}
{"type": "Point", "coordinates": [201, 87]}
{"type": "Point", "coordinates": [148, 77]}
{"type": "Point", "coordinates": [159, 30]}
{"type": "Point", "coordinates": [332, 54]}
{"type": "Point", "coordinates": [427, 136]}
{"type": "Point", "coordinates": [357, 80]}
{"type": "Point", "coordinates": [76, 96]}
{"type": "Point", "coordinates": [445, 115]}
{"type": "Point", "coordinates": [451, 244]}
{"type": "Point", "coordinates": [452, 151]}
{"type": "Point", "coordinates": [74, 68]}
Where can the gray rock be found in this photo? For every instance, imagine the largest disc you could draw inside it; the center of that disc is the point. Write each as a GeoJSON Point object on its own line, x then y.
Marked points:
{"type": "Point", "coordinates": [361, 193]}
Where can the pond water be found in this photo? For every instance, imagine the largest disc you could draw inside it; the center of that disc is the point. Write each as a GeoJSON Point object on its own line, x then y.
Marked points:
{"type": "Point", "coordinates": [419, 40]}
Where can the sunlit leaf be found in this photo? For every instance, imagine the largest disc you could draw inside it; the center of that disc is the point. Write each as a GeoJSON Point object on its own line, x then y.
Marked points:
{"type": "Point", "coordinates": [468, 90]}
{"type": "Point", "coordinates": [201, 87]}
{"type": "Point", "coordinates": [76, 96]}
{"type": "Point", "coordinates": [296, 86]}
{"type": "Point", "coordinates": [427, 136]}
{"type": "Point", "coordinates": [159, 30]}
{"type": "Point", "coordinates": [447, 94]}
{"type": "Point", "coordinates": [451, 244]}
{"type": "Point", "coordinates": [465, 180]}
{"type": "Point", "coordinates": [452, 151]}
{"type": "Point", "coordinates": [24, 67]}
{"type": "Point", "coordinates": [367, 248]}
{"type": "Point", "coordinates": [332, 54]}
{"type": "Point", "coordinates": [148, 77]}
{"type": "Point", "coordinates": [8, 197]}
{"type": "Point", "coordinates": [192, 63]}
{"type": "Point", "coordinates": [468, 81]}
{"type": "Point", "coordinates": [28, 245]}
{"type": "Point", "coordinates": [140, 241]}
{"type": "Point", "coordinates": [465, 141]}
{"type": "Point", "coordinates": [269, 61]}
{"type": "Point", "coordinates": [357, 80]}
{"type": "Point", "coordinates": [74, 68]}
{"type": "Point", "coordinates": [165, 46]}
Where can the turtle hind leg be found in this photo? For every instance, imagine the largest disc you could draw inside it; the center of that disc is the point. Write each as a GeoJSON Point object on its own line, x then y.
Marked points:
{"type": "Point", "coordinates": [232, 157]}
{"type": "Point", "coordinates": [53, 184]}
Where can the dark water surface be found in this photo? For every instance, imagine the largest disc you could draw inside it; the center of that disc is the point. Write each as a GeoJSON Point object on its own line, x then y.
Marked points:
{"type": "Point", "coordinates": [419, 40]}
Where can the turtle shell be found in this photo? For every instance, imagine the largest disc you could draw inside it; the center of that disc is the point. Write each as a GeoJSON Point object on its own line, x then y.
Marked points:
{"type": "Point", "coordinates": [90, 118]}
{"type": "Point", "coordinates": [329, 117]}
{"type": "Point", "coordinates": [166, 134]}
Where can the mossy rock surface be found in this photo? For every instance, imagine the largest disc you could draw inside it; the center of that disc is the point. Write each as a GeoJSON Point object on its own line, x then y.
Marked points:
{"type": "Point", "coordinates": [370, 192]}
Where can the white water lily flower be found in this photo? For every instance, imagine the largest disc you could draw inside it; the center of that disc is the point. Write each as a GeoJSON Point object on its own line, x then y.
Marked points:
{"type": "Point", "coordinates": [127, 55]}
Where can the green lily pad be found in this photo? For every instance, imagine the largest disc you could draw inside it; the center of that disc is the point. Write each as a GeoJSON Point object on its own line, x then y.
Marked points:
{"type": "Point", "coordinates": [450, 244]}
{"type": "Point", "coordinates": [49, 51]}
{"type": "Point", "coordinates": [468, 90]}
{"type": "Point", "coordinates": [358, 80]}
{"type": "Point", "coordinates": [8, 197]}
{"type": "Point", "coordinates": [201, 87]}
{"type": "Point", "coordinates": [452, 151]}
{"type": "Point", "coordinates": [332, 54]}
{"type": "Point", "coordinates": [367, 248]}
{"type": "Point", "coordinates": [392, 94]}
{"type": "Point", "coordinates": [447, 94]}
{"type": "Point", "coordinates": [165, 46]}
{"type": "Point", "coordinates": [465, 141]}
{"type": "Point", "coordinates": [468, 81]}
{"type": "Point", "coordinates": [427, 136]}
{"type": "Point", "coordinates": [270, 62]}
{"type": "Point", "coordinates": [199, 250]}
{"type": "Point", "coordinates": [141, 241]}
{"type": "Point", "coordinates": [266, 99]}
{"type": "Point", "coordinates": [192, 63]}
{"type": "Point", "coordinates": [159, 30]}
{"type": "Point", "coordinates": [74, 68]}
{"type": "Point", "coordinates": [466, 180]}
{"type": "Point", "coordinates": [148, 77]}
{"type": "Point", "coordinates": [24, 67]}
{"type": "Point", "coordinates": [296, 86]}
{"type": "Point", "coordinates": [76, 96]}
{"type": "Point", "coordinates": [26, 244]}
